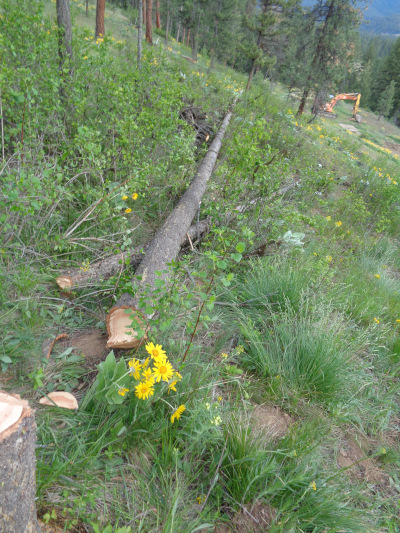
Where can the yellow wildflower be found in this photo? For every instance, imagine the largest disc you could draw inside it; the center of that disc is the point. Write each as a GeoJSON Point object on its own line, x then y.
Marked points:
{"type": "Point", "coordinates": [122, 391]}
{"type": "Point", "coordinates": [172, 386]}
{"type": "Point", "coordinates": [328, 218]}
{"type": "Point", "coordinates": [135, 368]}
{"type": "Point", "coordinates": [177, 414]}
{"type": "Point", "coordinates": [144, 390]}
{"type": "Point", "coordinates": [398, 320]}
{"type": "Point", "coordinates": [148, 374]}
{"type": "Point", "coordinates": [338, 224]}
{"type": "Point", "coordinates": [84, 57]}
{"type": "Point", "coordinates": [135, 196]}
{"type": "Point", "coordinates": [376, 320]}
{"type": "Point", "coordinates": [128, 210]}
{"type": "Point", "coordinates": [224, 355]}
{"type": "Point", "coordinates": [177, 376]}
{"type": "Point", "coordinates": [329, 258]}
{"type": "Point", "coordinates": [163, 370]}
{"type": "Point", "coordinates": [156, 352]}
{"type": "Point", "coordinates": [377, 276]}
{"type": "Point", "coordinates": [220, 398]}
{"type": "Point", "coordinates": [313, 485]}
{"type": "Point", "coordinates": [125, 197]}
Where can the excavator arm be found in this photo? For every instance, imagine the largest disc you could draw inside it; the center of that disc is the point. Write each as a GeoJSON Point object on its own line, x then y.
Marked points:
{"type": "Point", "coordinates": [345, 96]}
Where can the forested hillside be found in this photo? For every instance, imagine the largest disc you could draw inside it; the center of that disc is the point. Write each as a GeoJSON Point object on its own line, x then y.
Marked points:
{"type": "Point", "coordinates": [200, 268]}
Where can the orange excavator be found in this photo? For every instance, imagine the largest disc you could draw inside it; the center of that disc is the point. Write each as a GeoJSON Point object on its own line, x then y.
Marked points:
{"type": "Point", "coordinates": [328, 108]}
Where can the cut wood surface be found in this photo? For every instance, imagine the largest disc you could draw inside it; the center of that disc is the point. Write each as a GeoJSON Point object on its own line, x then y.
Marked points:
{"type": "Point", "coordinates": [110, 266]}
{"type": "Point", "coordinates": [17, 466]}
{"type": "Point", "coordinates": [63, 399]}
{"type": "Point", "coordinates": [167, 241]}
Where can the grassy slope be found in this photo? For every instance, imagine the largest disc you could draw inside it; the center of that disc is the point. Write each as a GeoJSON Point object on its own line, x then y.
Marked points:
{"type": "Point", "coordinates": [311, 330]}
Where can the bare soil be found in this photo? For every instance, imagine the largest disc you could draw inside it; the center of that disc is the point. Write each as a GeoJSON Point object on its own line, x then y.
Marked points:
{"type": "Point", "coordinates": [254, 518]}
{"type": "Point", "coordinates": [272, 420]}
{"type": "Point", "coordinates": [394, 147]}
{"type": "Point", "coordinates": [349, 127]}
{"type": "Point", "coordinates": [92, 344]}
{"type": "Point", "coordinates": [350, 453]}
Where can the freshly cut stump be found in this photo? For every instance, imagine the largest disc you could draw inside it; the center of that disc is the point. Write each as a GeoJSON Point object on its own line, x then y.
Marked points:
{"type": "Point", "coordinates": [17, 466]}
{"type": "Point", "coordinates": [119, 328]}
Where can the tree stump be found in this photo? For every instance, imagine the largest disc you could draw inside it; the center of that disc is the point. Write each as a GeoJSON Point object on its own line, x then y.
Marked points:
{"type": "Point", "coordinates": [17, 466]}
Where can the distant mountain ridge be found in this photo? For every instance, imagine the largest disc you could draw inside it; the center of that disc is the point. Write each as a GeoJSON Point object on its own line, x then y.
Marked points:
{"type": "Point", "coordinates": [381, 17]}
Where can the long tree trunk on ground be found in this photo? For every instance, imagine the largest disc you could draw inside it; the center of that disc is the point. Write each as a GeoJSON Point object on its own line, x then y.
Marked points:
{"type": "Point", "coordinates": [17, 466]}
{"type": "Point", "coordinates": [100, 11]}
{"type": "Point", "coordinates": [110, 266]}
{"type": "Point", "coordinates": [139, 46]}
{"type": "Point", "coordinates": [158, 20]}
{"type": "Point", "coordinates": [166, 244]}
{"type": "Point", "coordinates": [64, 32]}
{"type": "Point", "coordinates": [149, 15]}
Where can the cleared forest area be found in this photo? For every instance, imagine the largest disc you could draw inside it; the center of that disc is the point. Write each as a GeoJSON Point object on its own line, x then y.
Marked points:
{"type": "Point", "coordinates": [260, 391]}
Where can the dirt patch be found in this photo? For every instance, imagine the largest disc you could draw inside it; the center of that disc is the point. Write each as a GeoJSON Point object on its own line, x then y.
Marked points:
{"type": "Point", "coordinates": [351, 453]}
{"type": "Point", "coordinates": [272, 420]}
{"type": "Point", "coordinates": [393, 147]}
{"type": "Point", "coordinates": [255, 518]}
{"type": "Point", "coordinates": [91, 344]}
{"type": "Point", "coordinates": [349, 127]}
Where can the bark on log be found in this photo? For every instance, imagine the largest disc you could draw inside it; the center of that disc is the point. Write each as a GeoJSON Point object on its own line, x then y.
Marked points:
{"type": "Point", "coordinates": [167, 241]}
{"type": "Point", "coordinates": [17, 466]}
{"type": "Point", "coordinates": [105, 268]}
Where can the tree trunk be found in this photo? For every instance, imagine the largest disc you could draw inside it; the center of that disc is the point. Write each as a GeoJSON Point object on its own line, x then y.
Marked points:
{"type": "Point", "coordinates": [100, 11]}
{"type": "Point", "coordinates": [149, 15]}
{"type": "Point", "coordinates": [251, 74]}
{"type": "Point", "coordinates": [178, 31]}
{"type": "Point", "coordinates": [212, 52]}
{"type": "Point", "coordinates": [144, 11]}
{"type": "Point", "coordinates": [188, 37]}
{"type": "Point", "coordinates": [184, 36]}
{"type": "Point", "coordinates": [167, 27]}
{"type": "Point", "coordinates": [64, 32]}
{"type": "Point", "coordinates": [87, 8]}
{"type": "Point", "coordinates": [158, 20]}
{"type": "Point", "coordinates": [166, 243]}
{"type": "Point", "coordinates": [17, 466]}
{"type": "Point", "coordinates": [110, 266]}
{"type": "Point", "coordinates": [317, 57]}
{"type": "Point", "coordinates": [140, 29]}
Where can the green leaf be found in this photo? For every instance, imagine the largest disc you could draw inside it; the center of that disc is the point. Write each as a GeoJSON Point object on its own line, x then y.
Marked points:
{"type": "Point", "coordinates": [240, 247]}
{"type": "Point", "coordinates": [221, 264]}
{"type": "Point", "coordinates": [237, 257]}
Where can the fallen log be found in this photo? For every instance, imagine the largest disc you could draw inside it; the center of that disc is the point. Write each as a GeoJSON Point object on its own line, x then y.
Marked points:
{"type": "Point", "coordinates": [167, 241]}
{"type": "Point", "coordinates": [17, 466]}
{"type": "Point", "coordinates": [109, 266]}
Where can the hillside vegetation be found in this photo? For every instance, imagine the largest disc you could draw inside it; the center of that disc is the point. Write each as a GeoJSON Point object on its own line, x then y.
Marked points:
{"type": "Point", "coordinates": [280, 411]}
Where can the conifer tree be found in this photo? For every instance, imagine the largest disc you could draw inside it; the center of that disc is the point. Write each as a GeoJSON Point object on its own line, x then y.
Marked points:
{"type": "Point", "coordinates": [100, 11]}
{"type": "Point", "coordinates": [334, 23]}
{"type": "Point", "coordinates": [385, 104]}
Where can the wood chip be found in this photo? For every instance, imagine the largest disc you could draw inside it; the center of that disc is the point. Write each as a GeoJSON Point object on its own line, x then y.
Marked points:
{"type": "Point", "coordinates": [65, 400]}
